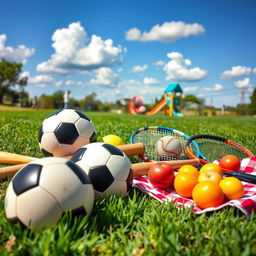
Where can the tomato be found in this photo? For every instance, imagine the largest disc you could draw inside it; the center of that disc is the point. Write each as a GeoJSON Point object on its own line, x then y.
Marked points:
{"type": "Point", "coordinates": [230, 162]}
{"type": "Point", "coordinates": [161, 175]}
{"type": "Point", "coordinates": [232, 188]}
{"type": "Point", "coordinates": [207, 194]}
{"type": "Point", "coordinates": [184, 184]}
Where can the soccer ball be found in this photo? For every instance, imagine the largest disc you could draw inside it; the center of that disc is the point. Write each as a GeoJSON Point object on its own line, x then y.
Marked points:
{"type": "Point", "coordinates": [44, 189]}
{"type": "Point", "coordinates": [64, 132]}
{"type": "Point", "coordinates": [108, 168]}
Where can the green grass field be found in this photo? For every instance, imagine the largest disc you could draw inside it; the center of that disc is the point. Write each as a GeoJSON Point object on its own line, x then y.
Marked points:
{"type": "Point", "coordinates": [137, 224]}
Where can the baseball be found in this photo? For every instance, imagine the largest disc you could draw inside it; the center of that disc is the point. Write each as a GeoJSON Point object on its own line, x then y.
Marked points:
{"type": "Point", "coordinates": [168, 146]}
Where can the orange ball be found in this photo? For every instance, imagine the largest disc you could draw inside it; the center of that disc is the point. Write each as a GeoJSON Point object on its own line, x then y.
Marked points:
{"type": "Point", "coordinates": [232, 188]}
{"type": "Point", "coordinates": [184, 184]}
{"type": "Point", "coordinates": [207, 194]}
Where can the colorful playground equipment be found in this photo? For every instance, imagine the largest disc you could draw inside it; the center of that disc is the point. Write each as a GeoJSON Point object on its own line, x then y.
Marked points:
{"type": "Point", "coordinates": [135, 105]}
{"type": "Point", "coordinates": [170, 103]}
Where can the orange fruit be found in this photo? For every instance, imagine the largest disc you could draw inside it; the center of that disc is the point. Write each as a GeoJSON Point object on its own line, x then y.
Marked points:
{"type": "Point", "coordinates": [190, 170]}
{"type": "Point", "coordinates": [232, 188]}
{"type": "Point", "coordinates": [210, 176]}
{"type": "Point", "coordinates": [207, 194]}
{"type": "Point", "coordinates": [211, 167]}
{"type": "Point", "coordinates": [184, 184]}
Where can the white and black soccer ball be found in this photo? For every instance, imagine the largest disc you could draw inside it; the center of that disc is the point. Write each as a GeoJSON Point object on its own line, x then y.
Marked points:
{"type": "Point", "coordinates": [108, 168]}
{"type": "Point", "coordinates": [44, 189]}
{"type": "Point", "coordinates": [64, 132]}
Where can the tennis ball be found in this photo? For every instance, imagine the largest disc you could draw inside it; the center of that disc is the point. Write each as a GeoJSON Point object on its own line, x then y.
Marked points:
{"type": "Point", "coordinates": [168, 146]}
{"type": "Point", "coordinates": [113, 140]}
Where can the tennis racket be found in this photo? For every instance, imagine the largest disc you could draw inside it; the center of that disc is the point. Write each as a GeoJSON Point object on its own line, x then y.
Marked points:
{"type": "Point", "coordinates": [150, 135]}
{"type": "Point", "coordinates": [208, 148]}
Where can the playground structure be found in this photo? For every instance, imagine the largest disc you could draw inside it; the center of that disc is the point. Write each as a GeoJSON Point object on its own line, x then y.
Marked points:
{"type": "Point", "coordinates": [170, 103]}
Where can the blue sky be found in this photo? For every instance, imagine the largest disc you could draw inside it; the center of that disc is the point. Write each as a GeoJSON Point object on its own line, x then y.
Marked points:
{"type": "Point", "coordinates": [119, 49]}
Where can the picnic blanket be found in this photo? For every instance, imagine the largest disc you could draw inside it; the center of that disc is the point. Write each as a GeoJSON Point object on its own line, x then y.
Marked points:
{"type": "Point", "coordinates": [247, 204]}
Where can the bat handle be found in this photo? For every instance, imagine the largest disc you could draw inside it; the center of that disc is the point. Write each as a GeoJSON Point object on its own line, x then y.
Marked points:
{"type": "Point", "coordinates": [242, 176]}
{"type": "Point", "coordinates": [9, 171]}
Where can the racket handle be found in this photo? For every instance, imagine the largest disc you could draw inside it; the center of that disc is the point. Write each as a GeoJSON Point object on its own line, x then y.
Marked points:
{"type": "Point", "coordinates": [12, 158]}
{"type": "Point", "coordinates": [141, 169]}
{"type": "Point", "coordinates": [242, 176]}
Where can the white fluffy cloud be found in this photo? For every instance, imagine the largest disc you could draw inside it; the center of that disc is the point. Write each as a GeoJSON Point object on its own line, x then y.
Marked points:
{"type": "Point", "coordinates": [190, 89]}
{"type": "Point", "coordinates": [177, 69]}
{"type": "Point", "coordinates": [237, 71]}
{"type": "Point", "coordinates": [139, 68]}
{"type": "Point", "coordinates": [19, 54]}
{"type": "Point", "coordinates": [150, 81]}
{"type": "Point", "coordinates": [243, 83]}
{"type": "Point", "coordinates": [217, 87]}
{"type": "Point", "coordinates": [159, 63]}
{"type": "Point", "coordinates": [74, 51]}
{"type": "Point", "coordinates": [105, 77]}
{"type": "Point", "coordinates": [167, 32]}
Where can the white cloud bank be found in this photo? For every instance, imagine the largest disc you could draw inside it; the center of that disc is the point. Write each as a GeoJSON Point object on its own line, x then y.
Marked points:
{"type": "Point", "coordinates": [237, 71]}
{"type": "Point", "coordinates": [167, 32]}
{"type": "Point", "coordinates": [150, 81]}
{"type": "Point", "coordinates": [105, 77]}
{"type": "Point", "coordinates": [243, 83]}
{"type": "Point", "coordinates": [216, 88]}
{"type": "Point", "coordinates": [177, 69]}
{"type": "Point", "coordinates": [139, 68]}
{"type": "Point", "coordinates": [75, 51]}
{"type": "Point", "coordinates": [19, 54]}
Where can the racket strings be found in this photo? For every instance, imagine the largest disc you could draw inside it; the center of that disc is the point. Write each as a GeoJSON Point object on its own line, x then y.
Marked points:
{"type": "Point", "coordinates": [149, 139]}
{"type": "Point", "coordinates": [214, 150]}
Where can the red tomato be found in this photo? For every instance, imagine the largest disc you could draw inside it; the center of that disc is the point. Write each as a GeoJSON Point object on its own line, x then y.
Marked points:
{"type": "Point", "coordinates": [230, 162]}
{"type": "Point", "coordinates": [161, 175]}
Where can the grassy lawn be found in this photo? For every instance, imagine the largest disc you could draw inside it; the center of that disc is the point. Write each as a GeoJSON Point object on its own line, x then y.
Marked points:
{"type": "Point", "coordinates": [137, 224]}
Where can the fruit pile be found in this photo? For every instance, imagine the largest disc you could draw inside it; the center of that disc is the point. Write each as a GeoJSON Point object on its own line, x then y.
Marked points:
{"type": "Point", "coordinates": [206, 186]}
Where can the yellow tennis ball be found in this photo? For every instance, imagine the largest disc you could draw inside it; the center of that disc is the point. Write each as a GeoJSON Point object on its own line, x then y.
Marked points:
{"type": "Point", "coordinates": [168, 146]}
{"type": "Point", "coordinates": [113, 140]}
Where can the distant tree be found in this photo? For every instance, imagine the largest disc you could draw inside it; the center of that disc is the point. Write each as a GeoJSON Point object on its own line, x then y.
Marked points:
{"type": "Point", "coordinates": [105, 107]}
{"type": "Point", "coordinates": [90, 102]}
{"type": "Point", "coordinates": [191, 98]}
{"type": "Point", "coordinates": [10, 77]}
{"type": "Point", "coordinates": [252, 105]}
{"type": "Point", "coordinates": [242, 109]}
{"type": "Point", "coordinates": [57, 99]}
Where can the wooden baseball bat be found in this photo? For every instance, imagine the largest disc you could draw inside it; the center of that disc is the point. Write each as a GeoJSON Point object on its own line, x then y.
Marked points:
{"type": "Point", "coordinates": [139, 169]}
{"type": "Point", "coordinates": [12, 158]}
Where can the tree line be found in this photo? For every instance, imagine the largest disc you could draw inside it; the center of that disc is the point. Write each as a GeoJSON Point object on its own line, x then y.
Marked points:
{"type": "Point", "coordinates": [12, 91]}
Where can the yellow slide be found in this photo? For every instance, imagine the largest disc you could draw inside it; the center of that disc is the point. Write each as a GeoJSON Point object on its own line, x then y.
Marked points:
{"type": "Point", "coordinates": [157, 108]}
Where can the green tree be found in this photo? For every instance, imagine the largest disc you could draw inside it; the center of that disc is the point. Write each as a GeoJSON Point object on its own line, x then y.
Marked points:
{"type": "Point", "coordinates": [90, 102]}
{"type": "Point", "coordinates": [252, 105]}
{"type": "Point", "coordinates": [57, 98]}
{"type": "Point", "coordinates": [10, 77]}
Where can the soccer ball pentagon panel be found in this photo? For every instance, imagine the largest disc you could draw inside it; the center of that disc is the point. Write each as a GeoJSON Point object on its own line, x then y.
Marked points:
{"type": "Point", "coordinates": [64, 132]}
{"type": "Point", "coordinates": [108, 168]}
{"type": "Point", "coordinates": [44, 189]}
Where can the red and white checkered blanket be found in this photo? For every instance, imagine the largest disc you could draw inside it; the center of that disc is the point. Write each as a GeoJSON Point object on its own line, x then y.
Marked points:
{"type": "Point", "coordinates": [246, 204]}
